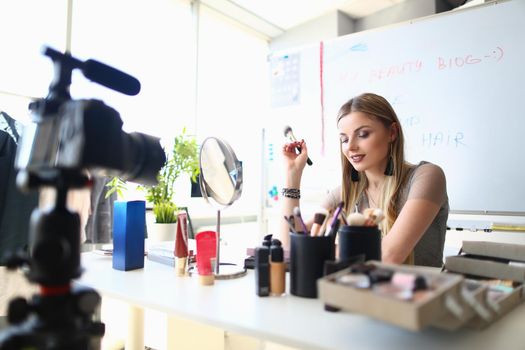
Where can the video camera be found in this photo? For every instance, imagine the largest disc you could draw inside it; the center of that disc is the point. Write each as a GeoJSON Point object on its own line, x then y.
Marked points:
{"type": "Point", "coordinates": [70, 141]}
{"type": "Point", "coordinates": [85, 134]}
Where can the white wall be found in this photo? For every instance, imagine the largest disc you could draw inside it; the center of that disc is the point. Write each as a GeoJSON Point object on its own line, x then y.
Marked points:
{"type": "Point", "coordinates": [321, 28]}
{"type": "Point", "coordinates": [336, 23]}
{"type": "Point", "coordinates": [401, 12]}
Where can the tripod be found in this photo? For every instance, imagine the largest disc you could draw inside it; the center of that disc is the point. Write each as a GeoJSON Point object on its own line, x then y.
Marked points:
{"type": "Point", "coordinates": [70, 136]}
{"type": "Point", "coordinates": [61, 316]}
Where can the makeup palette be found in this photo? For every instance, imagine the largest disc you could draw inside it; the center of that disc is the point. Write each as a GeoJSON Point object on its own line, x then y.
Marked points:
{"type": "Point", "coordinates": [495, 275]}
{"type": "Point", "coordinates": [411, 297]}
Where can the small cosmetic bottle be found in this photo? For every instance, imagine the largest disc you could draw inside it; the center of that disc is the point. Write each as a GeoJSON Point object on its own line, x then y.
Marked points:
{"type": "Point", "coordinates": [262, 271]}
{"type": "Point", "coordinates": [206, 256]}
{"type": "Point", "coordinates": [277, 269]}
{"type": "Point", "coordinates": [267, 242]}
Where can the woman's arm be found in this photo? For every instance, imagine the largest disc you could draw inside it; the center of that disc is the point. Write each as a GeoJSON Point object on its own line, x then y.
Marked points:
{"type": "Point", "coordinates": [413, 221]}
{"type": "Point", "coordinates": [426, 195]}
{"type": "Point", "coordinates": [294, 165]}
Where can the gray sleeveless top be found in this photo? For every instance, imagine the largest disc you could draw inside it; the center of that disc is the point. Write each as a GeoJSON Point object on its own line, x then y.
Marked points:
{"type": "Point", "coordinates": [421, 177]}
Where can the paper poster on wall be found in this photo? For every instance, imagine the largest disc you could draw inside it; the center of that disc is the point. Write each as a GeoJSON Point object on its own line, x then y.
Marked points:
{"type": "Point", "coordinates": [284, 80]}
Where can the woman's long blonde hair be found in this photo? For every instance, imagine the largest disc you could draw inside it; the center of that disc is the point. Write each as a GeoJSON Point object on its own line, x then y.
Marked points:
{"type": "Point", "coordinates": [376, 107]}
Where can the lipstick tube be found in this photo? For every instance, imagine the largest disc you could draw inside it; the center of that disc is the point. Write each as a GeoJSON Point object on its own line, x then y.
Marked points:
{"type": "Point", "coordinates": [181, 243]}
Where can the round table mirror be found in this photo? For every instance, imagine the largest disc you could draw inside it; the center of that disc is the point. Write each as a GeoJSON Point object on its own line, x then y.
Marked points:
{"type": "Point", "coordinates": [221, 185]}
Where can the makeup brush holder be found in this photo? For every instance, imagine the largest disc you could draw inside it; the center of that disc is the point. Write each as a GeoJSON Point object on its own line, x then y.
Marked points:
{"type": "Point", "coordinates": [307, 257]}
{"type": "Point", "coordinates": [356, 240]}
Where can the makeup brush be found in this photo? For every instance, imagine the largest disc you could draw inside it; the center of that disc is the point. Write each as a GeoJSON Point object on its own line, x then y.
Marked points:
{"type": "Point", "coordinates": [289, 135]}
{"type": "Point", "coordinates": [378, 216]}
{"type": "Point", "coordinates": [356, 219]}
{"type": "Point", "coordinates": [335, 220]}
{"type": "Point", "coordinates": [337, 212]}
{"type": "Point", "coordinates": [373, 216]}
{"type": "Point", "coordinates": [297, 214]}
{"type": "Point", "coordinates": [343, 217]}
{"type": "Point", "coordinates": [369, 213]}
{"type": "Point", "coordinates": [334, 228]}
{"type": "Point", "coordinates": [325, 223]}
{"type": "Point", "coordinates": [289, 221]}
{"type": "Point", "coordinates": [319, 218]}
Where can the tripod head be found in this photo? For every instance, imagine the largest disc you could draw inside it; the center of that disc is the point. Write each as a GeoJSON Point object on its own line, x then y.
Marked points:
{"type": "Point", "coordinates": [68, 139]}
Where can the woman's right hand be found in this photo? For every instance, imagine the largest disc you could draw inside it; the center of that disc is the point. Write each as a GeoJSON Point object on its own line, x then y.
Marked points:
{"type": "Point", "coordinates": [295, 162]}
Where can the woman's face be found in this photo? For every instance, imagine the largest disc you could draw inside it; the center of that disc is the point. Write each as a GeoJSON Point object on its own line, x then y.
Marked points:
{"type": "Point", "coordinates": [364, 141]}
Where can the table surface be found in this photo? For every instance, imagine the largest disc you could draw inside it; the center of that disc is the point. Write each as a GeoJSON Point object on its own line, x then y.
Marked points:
{"type": "Point", "coordinates": [303, 323]}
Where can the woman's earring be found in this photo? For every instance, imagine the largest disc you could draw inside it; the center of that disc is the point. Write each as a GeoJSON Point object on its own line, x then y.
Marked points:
{"type": "Point", "coordinates": [389, 171]}
{"type": "Point", "coordinates": [354, 175]}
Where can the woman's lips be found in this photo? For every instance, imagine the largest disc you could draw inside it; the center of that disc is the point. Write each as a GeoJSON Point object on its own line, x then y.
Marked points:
{"type": "Point", "coordinates": [357, 158]}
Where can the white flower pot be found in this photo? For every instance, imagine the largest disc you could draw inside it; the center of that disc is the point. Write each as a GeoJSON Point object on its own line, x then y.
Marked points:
{"type": "Point", "coordinates": [161, 232]}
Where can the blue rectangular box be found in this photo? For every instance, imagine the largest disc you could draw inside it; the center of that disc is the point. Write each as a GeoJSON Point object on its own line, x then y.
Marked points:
{"type": "Point", "coordinates": [129, 219]}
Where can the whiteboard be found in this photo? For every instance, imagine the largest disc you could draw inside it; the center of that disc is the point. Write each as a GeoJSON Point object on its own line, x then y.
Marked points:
{"type": "Point", "coordinates": [457, 83]}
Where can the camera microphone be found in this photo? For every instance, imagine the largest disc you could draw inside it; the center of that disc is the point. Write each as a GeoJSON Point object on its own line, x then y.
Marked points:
{"type": "Point", "coordinates": [110, 77]}
{"type": "Point", "coordinates": [95, 71]}
{"type": "Point", "coordinates": [289, 135]}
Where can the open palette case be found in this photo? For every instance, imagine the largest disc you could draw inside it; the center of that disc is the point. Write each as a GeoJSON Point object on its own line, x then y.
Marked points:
{"type": "Point", "coordinates": [476, 288]}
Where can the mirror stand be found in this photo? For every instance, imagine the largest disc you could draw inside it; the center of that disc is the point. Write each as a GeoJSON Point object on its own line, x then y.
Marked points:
{"type": "Point", "coordinates": [220, 181]}
{"type": "Point", "coordinates": [225, 270]}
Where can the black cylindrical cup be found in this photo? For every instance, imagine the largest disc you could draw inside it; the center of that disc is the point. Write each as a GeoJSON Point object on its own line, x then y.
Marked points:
{"type": "Point", "coordinates": [307, 257]}
{"type": "Point", "coordinates": [356, 240]}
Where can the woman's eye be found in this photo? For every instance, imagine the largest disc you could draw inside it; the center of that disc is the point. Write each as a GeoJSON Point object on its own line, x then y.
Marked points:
{"type": "Point", "coordinates": [363, 134]}
{"type": "Point", "coordinates": [344, 140]}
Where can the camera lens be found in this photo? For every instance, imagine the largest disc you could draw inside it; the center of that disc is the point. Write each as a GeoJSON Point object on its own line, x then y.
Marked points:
{"type": "Point", "coordinates": [106, 148]}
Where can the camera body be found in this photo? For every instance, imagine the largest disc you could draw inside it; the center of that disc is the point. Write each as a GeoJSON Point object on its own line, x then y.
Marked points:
{"type": "Point", "coordinates": [87, 134]}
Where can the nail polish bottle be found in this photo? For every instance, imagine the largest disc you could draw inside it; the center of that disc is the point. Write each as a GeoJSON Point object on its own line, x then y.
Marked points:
{"type": "Point", "coordinates": [277, 269]}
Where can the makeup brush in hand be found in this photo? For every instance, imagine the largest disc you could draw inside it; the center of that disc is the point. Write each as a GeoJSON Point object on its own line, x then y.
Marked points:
{"type": "Point", "coordinates": [290, 136]}
{"type": "Point", "coordinates": [319, 219]}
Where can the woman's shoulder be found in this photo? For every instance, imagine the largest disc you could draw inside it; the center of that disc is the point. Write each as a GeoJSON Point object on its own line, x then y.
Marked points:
{"type": "Point", "coordinates": [425, 168]}
{"type": "Point", "coordinates": [427, 181]}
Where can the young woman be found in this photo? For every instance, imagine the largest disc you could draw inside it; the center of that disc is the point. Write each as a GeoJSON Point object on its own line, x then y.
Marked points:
{"type": "Point", "coordinates": [375, 174]}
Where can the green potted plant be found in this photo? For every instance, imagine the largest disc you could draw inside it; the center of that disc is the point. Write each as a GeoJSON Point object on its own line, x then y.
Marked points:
{"type": "Point", "coordinates": [115, 185]}
{"type": "Point", "coordinates": [183, 159]}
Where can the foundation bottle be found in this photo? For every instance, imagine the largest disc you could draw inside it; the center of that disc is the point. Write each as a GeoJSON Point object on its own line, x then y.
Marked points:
{"type": "Point", "coordinates": [277, 269]}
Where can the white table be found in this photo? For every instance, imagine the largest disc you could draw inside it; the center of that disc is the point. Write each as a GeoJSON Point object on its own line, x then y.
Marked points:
{"type": "Point", "coordinates": [232, 305]}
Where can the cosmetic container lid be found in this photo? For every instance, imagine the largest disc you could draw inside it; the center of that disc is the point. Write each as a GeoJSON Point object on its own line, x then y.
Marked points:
{"type": "Point", "coordinates": [276, 251]}
{"type": "Point", "coordinates": [267, 241]}
{"type": "Point", "coordinates": [261, 255]}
